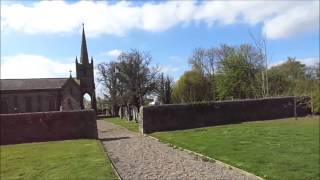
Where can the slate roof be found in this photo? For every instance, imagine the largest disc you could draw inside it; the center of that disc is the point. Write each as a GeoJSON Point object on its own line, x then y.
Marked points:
{"type": "Point", "coordinates": [32, 84]}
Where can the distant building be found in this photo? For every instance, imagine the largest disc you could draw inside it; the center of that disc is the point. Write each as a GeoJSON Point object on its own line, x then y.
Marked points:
{"type": "Point", "coordinates": [154, 101]}
{"type": "Point", "coordinates": [50, 94]}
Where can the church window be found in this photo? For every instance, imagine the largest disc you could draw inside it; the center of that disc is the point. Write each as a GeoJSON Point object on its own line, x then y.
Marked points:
{"type": "Point", "coordinates": [4, 105]}
{"type": "Point", "coordinates": [15, 102]}
{"type": "Point", "coordinates": [70, 104]}
{"type": "Point", "coordinates": [39, 103]}
{"type": "Point", "coordinates": [71, 91]}
{"type": "Point", "coordinates": [51, 104]}
{"type": "Point", "coordinates": [28, 104]}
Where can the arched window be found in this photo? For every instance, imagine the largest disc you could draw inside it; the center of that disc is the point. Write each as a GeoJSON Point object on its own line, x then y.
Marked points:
{"type": "Point", "coordinates": [87, 101]}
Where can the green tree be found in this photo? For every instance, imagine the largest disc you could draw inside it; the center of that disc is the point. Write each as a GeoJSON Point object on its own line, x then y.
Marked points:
{"type": "Point", "coordinates": [293, 78]}
{"type": "Point", "coordinates": [278, 83]}
{"type": "Point", "coordinates": [289, 78]}
{"type": "Point", "coordinates": [191, 87]}
{"type": "Point", "coordinates": [238, 75]}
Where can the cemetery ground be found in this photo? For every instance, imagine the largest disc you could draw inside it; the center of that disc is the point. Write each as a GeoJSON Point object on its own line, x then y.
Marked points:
{"type": "Point", "coordinates": [130, 125]}
{"type": "Point", "coordinates": [276, 149]}
{"type": "Point", "coordinates": [71, 159]}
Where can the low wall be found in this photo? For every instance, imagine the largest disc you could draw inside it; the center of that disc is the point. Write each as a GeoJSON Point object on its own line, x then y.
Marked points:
{"type": "Point", "coordinates": [47, 126]}
{"type": "Point", "coordinates": [186, 116]}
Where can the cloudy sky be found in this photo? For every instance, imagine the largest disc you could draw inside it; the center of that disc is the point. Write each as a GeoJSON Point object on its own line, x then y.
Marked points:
{"type": "Point", "coordinates": [42, 39]}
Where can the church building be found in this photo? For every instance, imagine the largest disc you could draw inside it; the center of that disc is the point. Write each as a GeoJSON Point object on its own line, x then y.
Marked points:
{"type": "Point", "coordinates": [50, 94]}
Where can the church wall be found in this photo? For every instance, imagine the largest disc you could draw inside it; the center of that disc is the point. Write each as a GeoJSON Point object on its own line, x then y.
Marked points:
{"type": "Point", "coordinates": [16, 101]}
{"type": "Point", "coordinates": [71, 95]}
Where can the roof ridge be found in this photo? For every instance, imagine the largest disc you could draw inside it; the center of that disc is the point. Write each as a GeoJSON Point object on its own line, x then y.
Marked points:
{"type": "Point", "coordinates": [34, 83]}
{"type": "Point", "coordinates": [33, 78]}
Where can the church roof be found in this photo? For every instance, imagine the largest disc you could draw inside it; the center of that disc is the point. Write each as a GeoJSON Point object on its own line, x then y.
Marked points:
{"type": "Point", "coordinates": [33, 84]}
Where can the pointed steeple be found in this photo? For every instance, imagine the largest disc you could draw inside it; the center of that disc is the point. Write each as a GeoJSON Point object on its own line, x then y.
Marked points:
{"type": "Point", "coordinates": [84, 52]}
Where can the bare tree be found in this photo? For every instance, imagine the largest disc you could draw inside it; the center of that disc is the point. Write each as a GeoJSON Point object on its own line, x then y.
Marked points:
{"type": "Point", "coordinates": [136, 76]}
{"type": "Point", "coordinates": [261, 45]}
{"type": "Point", "coordinates": [205, 62]}
{"type": "Point", "coordinates": [108, 77]}
{"type": "Point", "coordinates": [164, 89]}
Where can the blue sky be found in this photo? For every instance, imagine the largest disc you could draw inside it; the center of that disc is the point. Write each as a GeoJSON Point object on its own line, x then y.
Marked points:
{"type": "Point", "coordinates": [42, 39]}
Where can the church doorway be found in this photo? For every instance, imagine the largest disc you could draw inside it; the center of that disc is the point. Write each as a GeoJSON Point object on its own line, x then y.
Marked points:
{"type": "Point", "coordinates": [87, 101]}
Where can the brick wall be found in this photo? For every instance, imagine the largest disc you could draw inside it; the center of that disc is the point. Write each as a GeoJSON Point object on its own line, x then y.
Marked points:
{"type": "Point", "coordinates": [47, 126]}
{"type": "Point", "coordinates": [186, 116]}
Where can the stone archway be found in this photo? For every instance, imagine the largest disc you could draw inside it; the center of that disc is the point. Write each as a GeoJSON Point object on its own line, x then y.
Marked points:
{"type": "Point", "coordinates": [87, 101]}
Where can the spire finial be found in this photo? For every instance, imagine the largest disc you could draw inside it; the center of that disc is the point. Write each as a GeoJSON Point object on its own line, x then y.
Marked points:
{"type": "Point", "coordinates": [70, 73]}
{"type": "Point", "coordinates": [82, 24]}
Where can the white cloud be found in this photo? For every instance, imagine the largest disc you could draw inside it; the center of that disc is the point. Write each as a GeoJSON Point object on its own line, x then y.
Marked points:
{"type": "Point", "coordinates": [112, 53]}
{"type": "Point", "coordinates": [162, 16]}
{"type": "Point", "coordinates": [169, 69]}
{"type": "Point", "coordinates": [298, 19]}
{"type": "Point", "coordinates": [33, 66]}
{"type": "Point", "coordinates": [309, 61]}
{"type": "Point", "coordinates": [279, 18]}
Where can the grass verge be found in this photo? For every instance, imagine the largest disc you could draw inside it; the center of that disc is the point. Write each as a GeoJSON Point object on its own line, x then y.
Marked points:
{"type": "Point", "coordinates": [277, 149]}
{"type": "Point", "coordinates": [130, 125]}
{"type": "Point", "coordinates": [72, 159]}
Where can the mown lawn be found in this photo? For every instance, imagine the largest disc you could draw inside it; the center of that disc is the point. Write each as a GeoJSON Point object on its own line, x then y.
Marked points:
{"type": "Point", "coordinates": [130, 125]}
{"type": "Point", "coordinates": [277, 149]}
{"type": "Point", "coordinates": [72, 160]}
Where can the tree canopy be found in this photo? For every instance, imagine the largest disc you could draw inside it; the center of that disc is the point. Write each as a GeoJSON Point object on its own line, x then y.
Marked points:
{"type": "Point", "coordinates": [217, 73]}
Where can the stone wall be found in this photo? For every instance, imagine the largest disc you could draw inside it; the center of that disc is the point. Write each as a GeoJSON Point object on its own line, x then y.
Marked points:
{"type": "Point", "coordinates": [186, 116]}
{"type": "Point", "coordinates": [47, 126]}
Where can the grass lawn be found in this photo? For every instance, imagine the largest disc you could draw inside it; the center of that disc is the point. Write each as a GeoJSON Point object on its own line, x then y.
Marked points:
{"type": "Point", "coordinates": [72, 159]}
{"type": "Point", "coordinates": [277, 149]}
{"type": "Point", "coordinates": [130, 125]}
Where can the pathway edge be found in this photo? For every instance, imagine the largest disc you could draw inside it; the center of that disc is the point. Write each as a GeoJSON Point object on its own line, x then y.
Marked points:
{"type": "Point", "coordinates": [111, 162]}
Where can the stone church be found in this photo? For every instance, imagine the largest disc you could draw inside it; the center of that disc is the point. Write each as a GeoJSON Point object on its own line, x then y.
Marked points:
{"type": "Point", "coordinates": [50, 94]}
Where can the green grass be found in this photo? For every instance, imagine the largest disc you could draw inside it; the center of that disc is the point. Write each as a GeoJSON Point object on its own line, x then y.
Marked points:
{"type": "Point", "coordinates": [72, 160]}
{"type": "Point", "coordinates": [130, 125]}
{"type": "Point", "coordinates": [279, 149]}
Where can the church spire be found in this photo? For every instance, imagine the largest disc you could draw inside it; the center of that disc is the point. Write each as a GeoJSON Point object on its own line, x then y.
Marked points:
{"type": "Point", "coordinates": [84, 52]}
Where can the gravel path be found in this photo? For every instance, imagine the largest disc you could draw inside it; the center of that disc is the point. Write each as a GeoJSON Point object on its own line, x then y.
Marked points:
{"type": "Point", "coordinates": [137, 157]}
